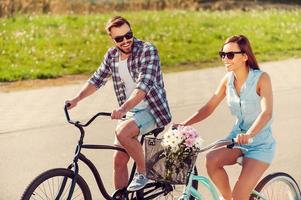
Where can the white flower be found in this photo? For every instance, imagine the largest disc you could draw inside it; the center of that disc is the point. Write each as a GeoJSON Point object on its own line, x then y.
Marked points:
{"type": "Point", "coordinates": [198, 143]}
{"type": "Point", "coordinates": [183, 135]}
{"type": "Point", "coordinates": [172, 138]}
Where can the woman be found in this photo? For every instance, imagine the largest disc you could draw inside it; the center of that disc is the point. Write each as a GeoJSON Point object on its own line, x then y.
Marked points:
{"type": "Point", "coordinates": [249, 96]}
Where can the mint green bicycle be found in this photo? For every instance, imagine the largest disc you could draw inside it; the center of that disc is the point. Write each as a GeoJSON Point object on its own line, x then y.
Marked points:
{"type": "Point", "coordinates": [276, 186]}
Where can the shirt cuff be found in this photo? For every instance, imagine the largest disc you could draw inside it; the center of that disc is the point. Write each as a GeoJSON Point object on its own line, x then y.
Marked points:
{"type": "Point", "coordinates": [143, 86]}
{"type": "Point", "coordinates": [95, 82]}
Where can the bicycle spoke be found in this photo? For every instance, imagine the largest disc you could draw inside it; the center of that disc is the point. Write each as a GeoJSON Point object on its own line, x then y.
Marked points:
{"type": "Point", "coordinates": [50, 192]}
{"type": "Point", "coordinates": [74, 196]}
{"type": "Point", "coordinates": [36, 193]}
{"type": "Point", "coordinates": [66, 192]}
{"type": "Point", "coordinates": [53, 187]}
{"type": "Point", "coordinates": [278, 190]}
{"type": "Point", "coordinates": [278, 186]}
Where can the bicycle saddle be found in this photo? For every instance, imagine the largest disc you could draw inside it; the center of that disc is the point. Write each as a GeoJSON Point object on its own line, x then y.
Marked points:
{"type": "Point", "coordinates": [156, 131]}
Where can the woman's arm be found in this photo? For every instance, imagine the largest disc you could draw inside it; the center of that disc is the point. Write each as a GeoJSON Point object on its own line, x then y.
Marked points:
{"type": "Point", "coordinates": [210, 106]}
{"type": "Point", "coordinates": [264, 90]}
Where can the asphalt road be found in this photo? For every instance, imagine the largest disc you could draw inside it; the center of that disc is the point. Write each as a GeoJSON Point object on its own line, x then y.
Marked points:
{"type": "Point", "coordinates": [34, 134]}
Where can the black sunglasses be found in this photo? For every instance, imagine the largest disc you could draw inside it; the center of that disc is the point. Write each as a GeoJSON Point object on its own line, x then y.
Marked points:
{"type": "Point", "coordinates": [230, 55]}
{"type": "Point", "coordinates": [128, 35]}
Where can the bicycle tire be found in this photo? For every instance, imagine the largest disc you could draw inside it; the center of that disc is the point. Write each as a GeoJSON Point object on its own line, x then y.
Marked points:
{"type": "Point", "coordinates": [47, 184]}
{"type": "Point", "coordinates": [278, 186]}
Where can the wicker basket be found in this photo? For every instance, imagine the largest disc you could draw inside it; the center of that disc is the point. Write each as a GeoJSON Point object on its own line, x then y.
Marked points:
{"type": "Point", "coordinates": [156, 164]}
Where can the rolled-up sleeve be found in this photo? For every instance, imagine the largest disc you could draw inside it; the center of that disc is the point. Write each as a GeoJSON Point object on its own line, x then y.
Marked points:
{"type": "Point", "coordinates": [100, 77]}
{"type": "Point", "coordinates": [150, 65]}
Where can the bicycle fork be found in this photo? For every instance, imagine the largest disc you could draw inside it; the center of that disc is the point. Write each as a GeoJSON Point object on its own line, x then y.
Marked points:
{"type": "Point", "coordinates": [63, 185]}
{"type": "Point", "coordinates": [74, 179]}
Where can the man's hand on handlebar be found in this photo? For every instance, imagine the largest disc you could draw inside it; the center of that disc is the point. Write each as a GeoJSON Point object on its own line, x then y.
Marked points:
{"type": "Point", "coordinates": [118, 113]}
{"type": "Point", "coordinates": [71, 103]}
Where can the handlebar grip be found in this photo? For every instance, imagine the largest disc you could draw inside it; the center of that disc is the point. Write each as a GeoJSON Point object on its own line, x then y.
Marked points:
{"type": "Point", "coordinates": [66, 111]}
{"type": "Point", "coordinates": [249, 141]}
{"type": "Point", "coordinates": [106, 114]}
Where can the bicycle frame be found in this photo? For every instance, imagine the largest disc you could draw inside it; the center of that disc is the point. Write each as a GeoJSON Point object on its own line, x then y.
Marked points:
{"type": "Point", "coordinates": [189, 190]}
{"type": "Point", "coordinates": [91, 166]}
{"type": "Point", "coordinates": [192, 191]}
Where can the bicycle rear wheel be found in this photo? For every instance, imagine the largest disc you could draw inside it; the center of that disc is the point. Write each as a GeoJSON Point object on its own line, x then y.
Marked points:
{"type": "Point", "coordinates": [277, 186]}
{"type": "Point", "coordinates": [48, 186]}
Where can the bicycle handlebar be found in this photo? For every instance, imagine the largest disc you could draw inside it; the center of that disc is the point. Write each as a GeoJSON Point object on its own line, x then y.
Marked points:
{"type": "Point", "coordinates": [89, 121]}
{"type": "Point", "coordinates": [216, 144]}
{"type": "Point", "coordinates": [229, 143]}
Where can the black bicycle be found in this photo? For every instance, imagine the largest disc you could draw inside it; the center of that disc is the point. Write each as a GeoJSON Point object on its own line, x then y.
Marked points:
{"type": "Point", "coordinates": [67, 183]}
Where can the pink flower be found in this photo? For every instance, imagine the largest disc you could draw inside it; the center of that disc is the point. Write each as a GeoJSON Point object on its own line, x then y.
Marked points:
{"type": "Point", "coordinates": [188, 132]}
{"type": "Point", "coordinates": [189, 142]}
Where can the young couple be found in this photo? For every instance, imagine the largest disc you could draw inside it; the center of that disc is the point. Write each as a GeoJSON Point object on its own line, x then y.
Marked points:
{"type": "Point", "coordinates": [138, 83]}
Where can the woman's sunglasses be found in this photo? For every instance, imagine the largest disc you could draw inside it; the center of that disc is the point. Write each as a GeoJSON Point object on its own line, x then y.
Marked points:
{"type": "Point", "coordinates": [230, 55]}
{"type": "Point", "coordinates": [128, 35]}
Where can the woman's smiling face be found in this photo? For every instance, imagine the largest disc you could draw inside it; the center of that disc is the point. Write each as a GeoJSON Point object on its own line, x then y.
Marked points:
{"type": "Point", "coordinates": [237, 61]}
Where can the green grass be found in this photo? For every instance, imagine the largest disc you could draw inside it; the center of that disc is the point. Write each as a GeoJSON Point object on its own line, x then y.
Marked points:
{"type": "Point", "coordinates": [39, 47]}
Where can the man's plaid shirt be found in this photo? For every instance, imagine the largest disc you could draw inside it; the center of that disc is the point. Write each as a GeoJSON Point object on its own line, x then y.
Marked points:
{"type": "Point", "coordinates": [144, 67]}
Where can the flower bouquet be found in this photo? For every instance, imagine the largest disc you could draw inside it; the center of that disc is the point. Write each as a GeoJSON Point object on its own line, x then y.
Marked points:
{"type": "Point", "coordinates": [171, 158]}
{"type": "Point", "coordinates": [180, 146]}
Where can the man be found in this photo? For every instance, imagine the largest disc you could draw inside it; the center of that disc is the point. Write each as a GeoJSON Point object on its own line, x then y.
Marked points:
{"type": "Point", "coordinates": [138, 84]}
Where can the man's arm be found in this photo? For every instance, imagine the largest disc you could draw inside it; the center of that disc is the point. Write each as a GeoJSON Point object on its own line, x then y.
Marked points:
{"type": "Point", "coordinates": [149, 67]}
{"type": "Point", "coordinates": [98, 79]}
{"type": "Point", "coordinates": [87, 90]}
{"type": "Point", "coordinates": [136, 97]}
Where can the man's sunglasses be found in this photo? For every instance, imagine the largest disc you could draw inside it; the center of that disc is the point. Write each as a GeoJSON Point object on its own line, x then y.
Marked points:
{"type": "Point", "coordinates": [230, 55]}
{"type": "Point", "coordinates": [128, 35]}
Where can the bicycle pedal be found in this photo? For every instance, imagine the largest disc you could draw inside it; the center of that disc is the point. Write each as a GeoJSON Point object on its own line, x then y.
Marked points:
{"type": "Point", "coordinates": [120, 194]}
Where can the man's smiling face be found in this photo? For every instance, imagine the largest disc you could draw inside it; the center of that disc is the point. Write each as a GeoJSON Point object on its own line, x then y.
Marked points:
{"type": "Point", "coordinates": [123, 38]}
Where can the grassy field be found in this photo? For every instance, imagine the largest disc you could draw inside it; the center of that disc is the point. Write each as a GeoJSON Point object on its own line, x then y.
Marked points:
{"type": "Point", "coordinates": [40, 47]}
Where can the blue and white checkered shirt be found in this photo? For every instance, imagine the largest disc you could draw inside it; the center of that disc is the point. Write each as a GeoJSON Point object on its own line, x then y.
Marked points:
{"type": "Point", "coordinates": [144, 67]}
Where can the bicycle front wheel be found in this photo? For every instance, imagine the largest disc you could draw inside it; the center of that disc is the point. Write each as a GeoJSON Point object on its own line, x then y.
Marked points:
{"type": "Point", "coordinates": [277, 186]}
{"type": "Point", "coordinates": [55, 184]}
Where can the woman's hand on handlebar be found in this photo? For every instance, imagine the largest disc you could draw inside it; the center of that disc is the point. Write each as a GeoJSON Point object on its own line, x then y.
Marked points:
{"type": "Point", "coordinates": [243, 138]}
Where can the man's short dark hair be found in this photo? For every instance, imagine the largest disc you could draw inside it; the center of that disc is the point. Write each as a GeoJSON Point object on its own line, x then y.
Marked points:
{"type": "Point", "coordinates": [116, 21]}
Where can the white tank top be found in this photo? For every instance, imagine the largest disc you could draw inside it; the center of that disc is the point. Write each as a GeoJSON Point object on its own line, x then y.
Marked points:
{"type": "Point", "coordinates": [129, 83]}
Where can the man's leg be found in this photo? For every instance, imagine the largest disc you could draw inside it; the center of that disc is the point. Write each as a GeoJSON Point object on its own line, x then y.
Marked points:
{"type": "Point", "coordinates": [120, 173]}
{"type": "Point", "coordinates": [126, 134]}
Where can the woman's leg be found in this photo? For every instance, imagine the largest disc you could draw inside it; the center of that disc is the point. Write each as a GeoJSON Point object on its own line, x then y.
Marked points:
{"type": "Point", "coordinates": [251, 172]}
{"type": "Point", "coordinates": [215, 162]}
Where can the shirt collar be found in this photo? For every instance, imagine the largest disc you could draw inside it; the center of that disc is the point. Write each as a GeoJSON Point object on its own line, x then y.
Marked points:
{"type": "Point", "coordinates": [136, 45]}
